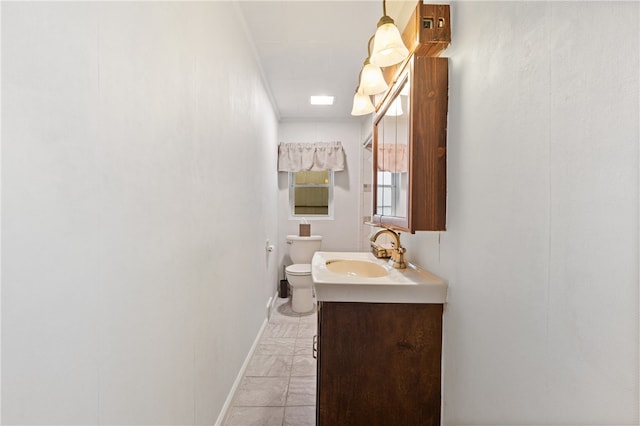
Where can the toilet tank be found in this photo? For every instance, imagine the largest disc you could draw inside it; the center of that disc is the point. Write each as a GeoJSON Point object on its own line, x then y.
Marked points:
{"type": "Point", "coordinates": [301, 249]}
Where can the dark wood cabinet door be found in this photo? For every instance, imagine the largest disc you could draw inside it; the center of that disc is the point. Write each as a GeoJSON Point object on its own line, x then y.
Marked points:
{"type": "Point", "coordinates": [379, 364]}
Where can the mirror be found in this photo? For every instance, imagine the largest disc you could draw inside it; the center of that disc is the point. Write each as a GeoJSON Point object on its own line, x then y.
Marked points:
{"type": "Point", "coordinates": [391, 157]}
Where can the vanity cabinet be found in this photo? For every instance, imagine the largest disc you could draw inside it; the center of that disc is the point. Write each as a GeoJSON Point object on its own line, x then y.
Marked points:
{"type": "Point", "coordinates": [409, 149]}
{"type": "Point", "coordinates": [378, 363]}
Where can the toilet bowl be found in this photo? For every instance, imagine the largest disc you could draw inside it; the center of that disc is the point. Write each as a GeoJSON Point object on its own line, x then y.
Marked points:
{"type": "Point", "coordinates": [301, 250]}
{"type": "Point", "coordinates": [299, 277]}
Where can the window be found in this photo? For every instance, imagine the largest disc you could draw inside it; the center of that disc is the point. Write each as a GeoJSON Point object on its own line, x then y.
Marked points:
{"type": "Point", "coordinates": [311, 194]}
{"type": "Point", "coordinates": [388, 193]}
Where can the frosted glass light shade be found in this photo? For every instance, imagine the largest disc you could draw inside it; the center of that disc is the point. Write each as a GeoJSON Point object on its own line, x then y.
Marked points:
{"type": "Point", "coordinates": [362, 104]}
{"type": "Point", "coordinates": [388, 47]}
{"type": "Point", "coordinates": [371, 80]}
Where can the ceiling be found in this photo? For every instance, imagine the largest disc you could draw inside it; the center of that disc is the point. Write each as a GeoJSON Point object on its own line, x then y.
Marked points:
{"type": "Point", "coordinates": [315, 48]}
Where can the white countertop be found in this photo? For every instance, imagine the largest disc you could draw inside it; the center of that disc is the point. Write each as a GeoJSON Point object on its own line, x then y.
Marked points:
{"type": "Point", "coordinates": [410, 285]}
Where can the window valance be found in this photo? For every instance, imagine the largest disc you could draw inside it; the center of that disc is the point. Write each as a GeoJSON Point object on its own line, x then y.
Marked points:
{"type": "Point", "coordinates": [298, 157]}
{"type": "Point", "coordinates": [393, 158]}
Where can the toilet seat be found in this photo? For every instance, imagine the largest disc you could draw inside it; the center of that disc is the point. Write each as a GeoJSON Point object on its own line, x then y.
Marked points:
{"type": "Point", "coordinates": [299, 269]}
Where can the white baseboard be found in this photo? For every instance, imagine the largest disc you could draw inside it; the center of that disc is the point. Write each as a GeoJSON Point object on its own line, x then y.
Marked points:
{"type": "Point", "coordinates": [269, 308]}
{"type": "Point", "coordinates": [271, 305]}
{"type": "Point", "coordinates": [227, 403]}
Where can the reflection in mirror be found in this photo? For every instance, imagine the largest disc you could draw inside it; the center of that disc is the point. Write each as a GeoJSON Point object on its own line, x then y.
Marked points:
{"type": "Point", "coordinates": [389, 187]}
{"type": "Point", "coordinates": [392, 131]}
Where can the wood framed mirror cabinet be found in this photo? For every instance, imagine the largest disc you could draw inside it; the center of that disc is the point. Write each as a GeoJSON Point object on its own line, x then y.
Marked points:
{"type": "Point", "coordinates": [409, 149]}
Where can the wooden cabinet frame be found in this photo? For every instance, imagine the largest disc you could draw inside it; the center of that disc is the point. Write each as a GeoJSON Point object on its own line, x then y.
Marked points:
{"type": "Point", "coordinates": [428, 99]}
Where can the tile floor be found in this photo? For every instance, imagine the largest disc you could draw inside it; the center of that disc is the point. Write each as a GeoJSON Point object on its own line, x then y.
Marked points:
{"type": "Point", "coordinates": [279, 386]}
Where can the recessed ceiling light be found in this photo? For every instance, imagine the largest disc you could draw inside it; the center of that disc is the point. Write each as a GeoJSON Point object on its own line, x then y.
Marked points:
{"type": "Point", "coordinates": [321, 100]}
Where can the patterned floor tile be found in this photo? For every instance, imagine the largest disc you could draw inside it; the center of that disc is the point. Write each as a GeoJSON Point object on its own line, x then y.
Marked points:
{"type": "Point", "coordinates": [261, 392]}
{"type": "Point", "coordinates": [282, 329]}
{"type": "Point", "coordinates": [307, 330]}
{"type": "Point", "coordinates": [300, 416]}
{"type": "Point", "coordinates": [269, 365]}
{"type": "Point", "coordinates": [302, 391]}
{"type": "Point", "coordinates": [279, 385]}
{"type": "Point", "coordinates": [255, 416]}
{"type": "Point", "coordinates": [275, 346]}
{"type": "Point", "coordinates": [303, 366]}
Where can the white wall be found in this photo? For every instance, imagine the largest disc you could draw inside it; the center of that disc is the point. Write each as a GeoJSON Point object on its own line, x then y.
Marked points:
{"type": "Point", "coordinates": [134, 275]}
{"type": "Point", "coordinates": [541, 251]}
{"type": "Point", "coordinates": [341, 233]}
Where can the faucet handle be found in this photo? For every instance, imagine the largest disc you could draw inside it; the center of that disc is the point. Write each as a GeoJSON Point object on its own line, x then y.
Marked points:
{"type": "Point", "coordinates": [398, 258]}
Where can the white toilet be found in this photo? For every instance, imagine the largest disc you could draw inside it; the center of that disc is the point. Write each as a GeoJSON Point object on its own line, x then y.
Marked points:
{"type": "Point", "coordinates": [301, 250]}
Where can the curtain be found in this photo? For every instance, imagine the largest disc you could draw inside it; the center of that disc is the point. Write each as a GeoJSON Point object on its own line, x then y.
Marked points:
{"type": "Point", "coordinates": [393, 158]}
{"type": "Point", "coordinates": [298, 157]}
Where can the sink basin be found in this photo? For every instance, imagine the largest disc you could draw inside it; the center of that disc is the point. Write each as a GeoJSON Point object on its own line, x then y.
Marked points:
{"type": "Point", "coordinates": [356, 268]}
{"type": "Point", "coordinates": [361, 277]}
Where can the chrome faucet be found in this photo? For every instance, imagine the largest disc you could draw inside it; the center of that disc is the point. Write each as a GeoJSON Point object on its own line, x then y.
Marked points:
{"type": "Point", "coordinates": [397, 252]}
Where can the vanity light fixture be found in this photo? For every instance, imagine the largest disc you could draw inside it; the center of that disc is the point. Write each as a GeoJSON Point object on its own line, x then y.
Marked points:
{"type": "Point", "coordinates": [362, 104]}
{"type": "Point", "coordinates": [388, 47]}
{"type": "Point", "coordinates": [321, 100]}
{"type": "Point", "coordinates": [372, 81]}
